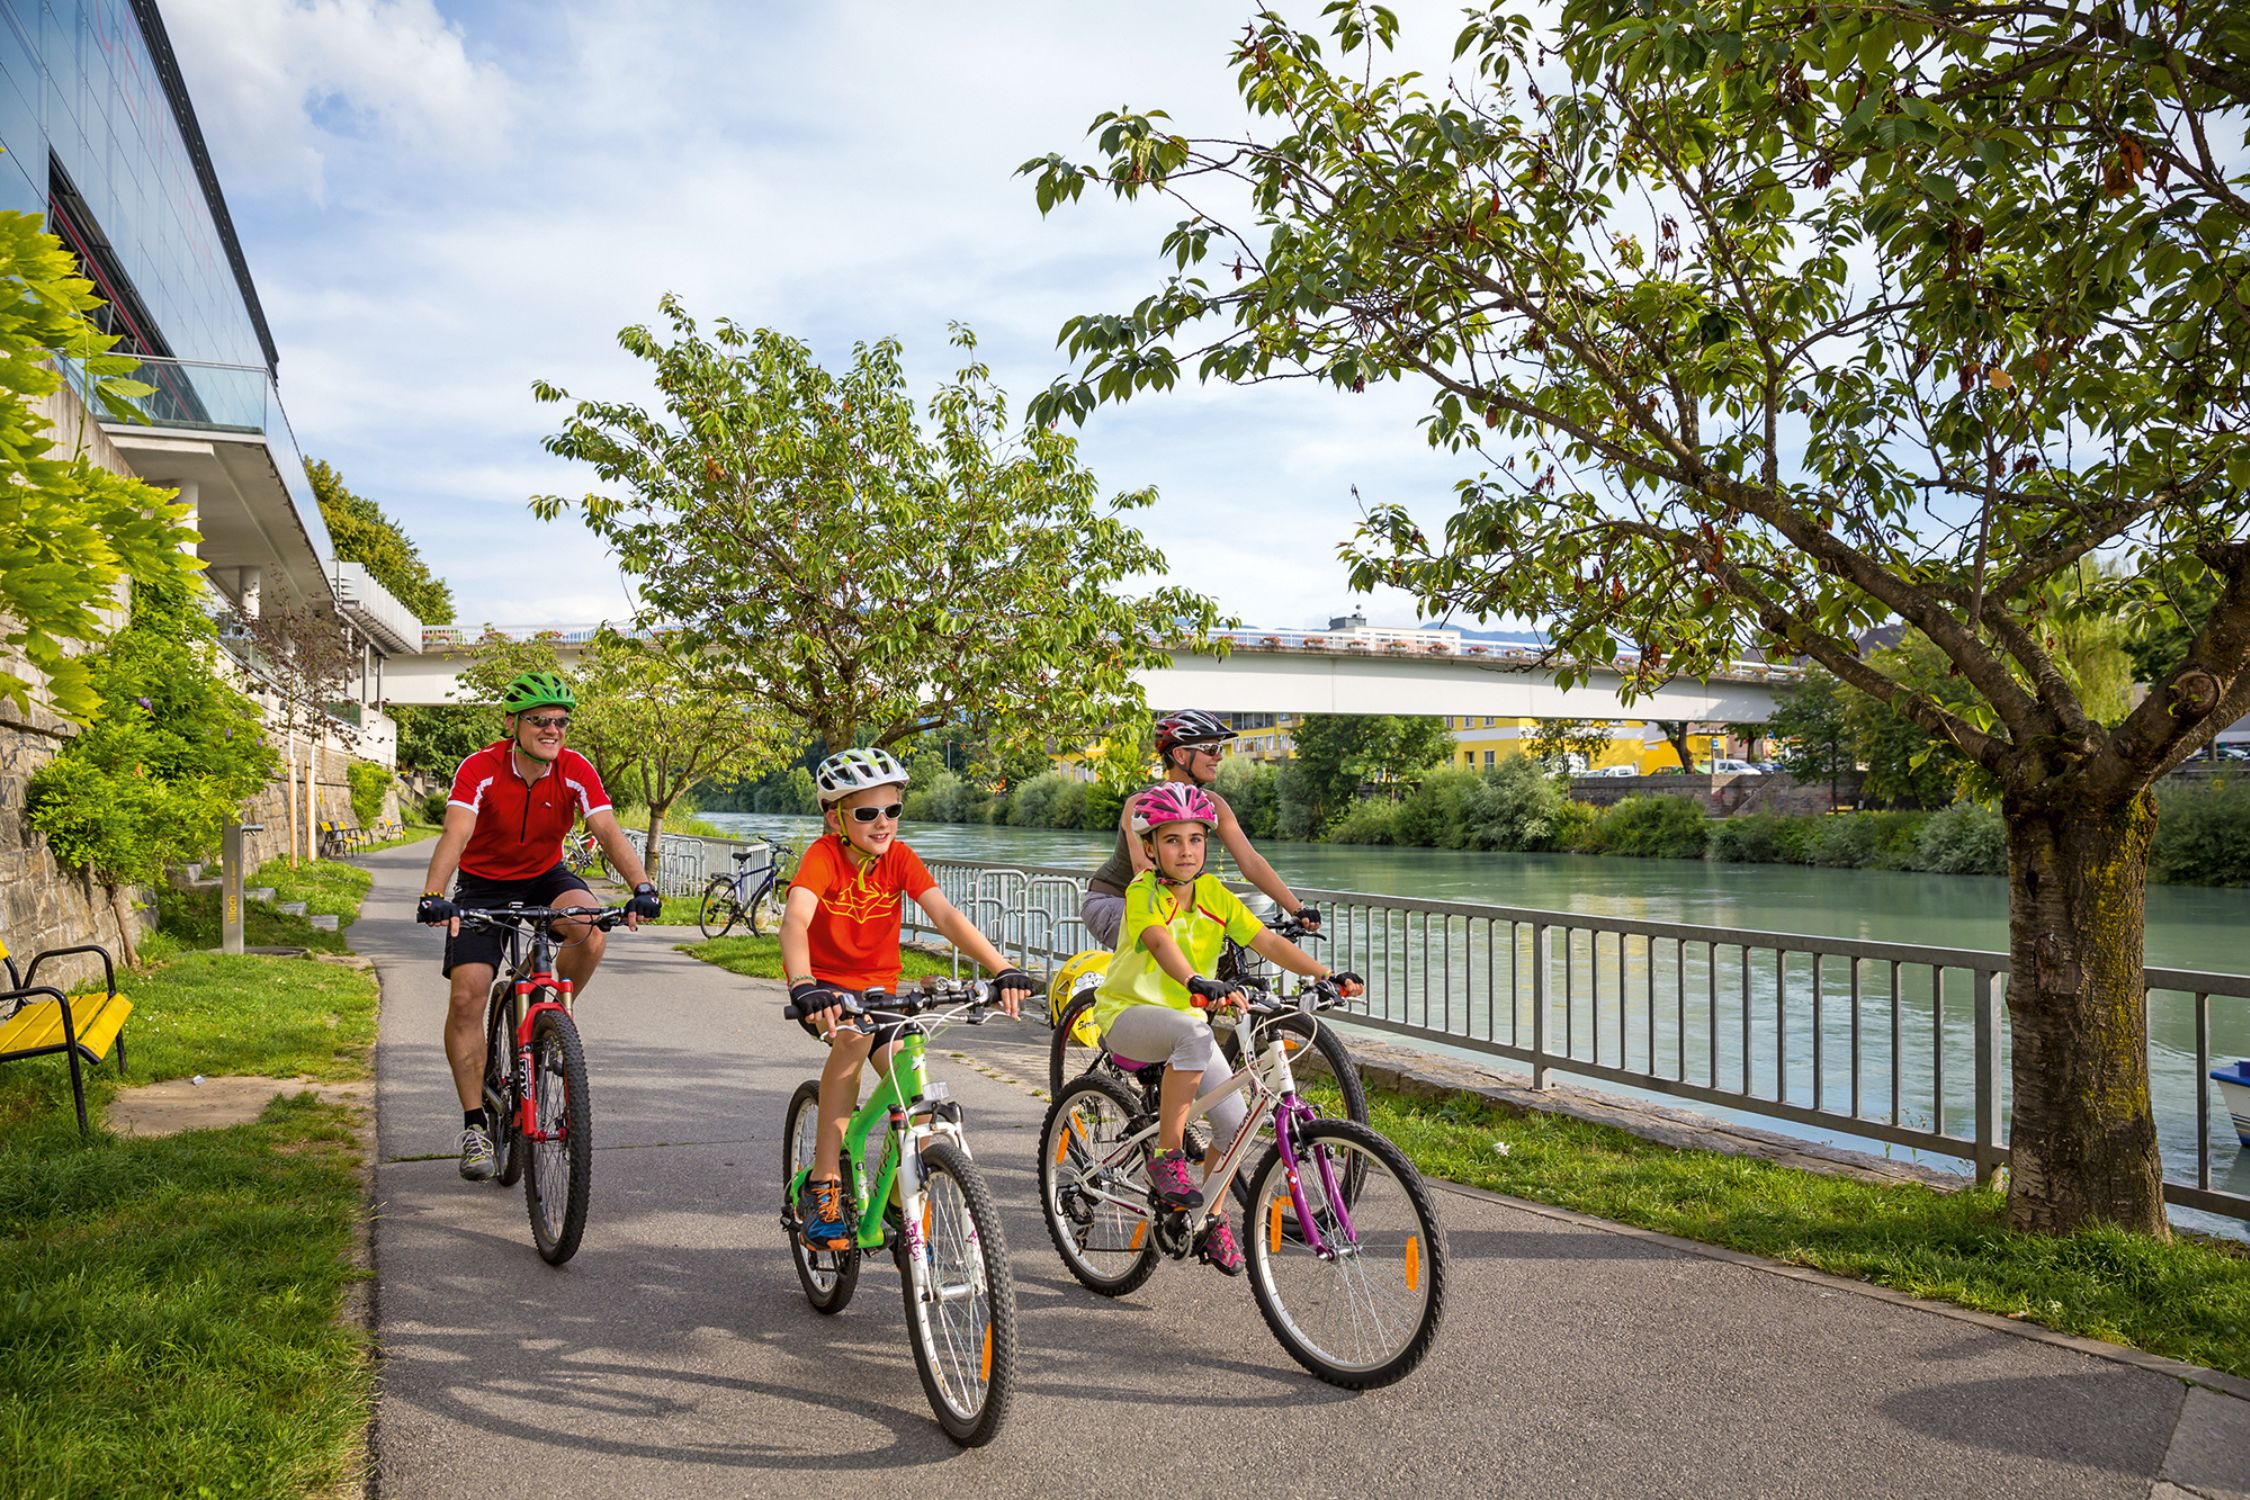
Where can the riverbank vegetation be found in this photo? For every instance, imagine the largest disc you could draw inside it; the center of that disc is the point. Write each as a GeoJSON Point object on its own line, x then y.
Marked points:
{"type": "Point", "coordinates": [2189, 1299]}
{"type": "Point", "coordinates": [2202, 829]}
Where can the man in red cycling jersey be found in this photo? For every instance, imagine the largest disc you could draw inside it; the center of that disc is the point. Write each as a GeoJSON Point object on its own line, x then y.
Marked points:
{"type": "Point", "coordinates": [512, 804]}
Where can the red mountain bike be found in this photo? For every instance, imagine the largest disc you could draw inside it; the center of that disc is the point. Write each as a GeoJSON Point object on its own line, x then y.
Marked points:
{"type": "Point", "coordinates": [535, 1092]}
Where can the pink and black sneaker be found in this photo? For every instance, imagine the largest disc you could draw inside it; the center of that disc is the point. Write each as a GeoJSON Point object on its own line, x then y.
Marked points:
{"type": "Point", "coordinates": [1216, 1245]}
{"type": "Point", "coordinates": [1168, 1179]}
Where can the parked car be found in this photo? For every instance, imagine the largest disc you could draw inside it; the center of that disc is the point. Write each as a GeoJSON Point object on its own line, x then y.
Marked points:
{"type": "Point", "coordinates": [1729, 767]}
{"type": "Point", "coordinates": [1613, 771]}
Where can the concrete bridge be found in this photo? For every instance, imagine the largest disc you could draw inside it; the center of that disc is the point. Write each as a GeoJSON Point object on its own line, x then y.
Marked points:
{"type": "Point", "coordinates": [1356, 670]}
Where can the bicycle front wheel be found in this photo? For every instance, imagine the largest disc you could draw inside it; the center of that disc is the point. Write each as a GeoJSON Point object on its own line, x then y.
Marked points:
{"type": "Point", "coordinates": [1096, 1206]}
{"type": "Point", "coordinates": [499, 1086]}
{"type": "Point", "coordinates": [961, 1305]}
{"type": "Point", "coordinates": [719, 910]}
{"type": "Point", "coordinates": [1363, 1308]}
{"type": "Point", "coordinates": [562, 1155]}
{"type": "Point", "coordinates": [1300, 1033]}
{"type": "Point", "coordinates": [828, 1276]}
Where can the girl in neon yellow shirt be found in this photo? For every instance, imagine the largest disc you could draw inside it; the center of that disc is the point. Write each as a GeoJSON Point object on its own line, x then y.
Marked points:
{"type": "Point", "coordinates": [1177, 920]}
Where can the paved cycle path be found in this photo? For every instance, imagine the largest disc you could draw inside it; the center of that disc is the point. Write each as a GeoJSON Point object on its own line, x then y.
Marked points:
{"type": "Point", "coordinates": [676, 1356]}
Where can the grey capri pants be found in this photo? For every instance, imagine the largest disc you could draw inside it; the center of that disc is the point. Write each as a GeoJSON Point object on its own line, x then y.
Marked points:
{"type": "Point", "coordinates": [1104, 916]}
{"type": "Point", "coordinates": [1180, 1039]}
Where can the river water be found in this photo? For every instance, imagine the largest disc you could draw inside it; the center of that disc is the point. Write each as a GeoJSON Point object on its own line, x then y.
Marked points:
{"type": "Point", "coordinates": [2188, 928]}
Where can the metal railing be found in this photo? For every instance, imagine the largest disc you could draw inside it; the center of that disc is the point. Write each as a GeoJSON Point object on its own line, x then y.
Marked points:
{"type": "Point", "coordinates": [685, 861]}
{"type": "Point", "coordinates": [1899, 1043]}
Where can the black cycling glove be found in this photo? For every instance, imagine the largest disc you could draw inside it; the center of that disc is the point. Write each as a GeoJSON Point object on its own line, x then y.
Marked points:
{"type": "Point", "coordinates": [1308, 916]}
{"type": "Point", "coordinates": [1213, 990]}
{"type": "Point", "coordinates": [434, 909]}
{"type": "Point", "coordinates": [1344, 977]}
{"type": "Point", "coordinates": [1014, 979]}
{"type": "Point", "coordinates": [809, 997]}
{"type": "Point", "coordinates": [646, 904]}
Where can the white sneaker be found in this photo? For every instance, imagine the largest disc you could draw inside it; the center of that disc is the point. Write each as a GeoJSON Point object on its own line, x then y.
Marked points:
{"type": "Point", "coordinates": [477, 1163]}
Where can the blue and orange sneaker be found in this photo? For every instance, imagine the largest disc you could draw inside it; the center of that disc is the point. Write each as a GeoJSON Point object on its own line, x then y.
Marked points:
{"type": "Point", "coordinates": [820, 1215]}
{"type": "Point", "coordinates": [1216, 1245]}
{"type": "Point", "coordinates": [1168, 1180]}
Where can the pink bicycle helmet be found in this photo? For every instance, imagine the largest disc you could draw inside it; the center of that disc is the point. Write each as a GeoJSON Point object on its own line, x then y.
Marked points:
{"type": "Point", "coordinates": [1173, 802]}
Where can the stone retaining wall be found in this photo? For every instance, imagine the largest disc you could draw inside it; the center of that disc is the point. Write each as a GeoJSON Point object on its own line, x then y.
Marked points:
{"type": "Point", "coordinates": [42, 904]}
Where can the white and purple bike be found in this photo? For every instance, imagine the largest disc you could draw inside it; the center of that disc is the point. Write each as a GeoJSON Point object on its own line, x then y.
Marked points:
{"type": "Point", "coordinates": [1346, 1257]}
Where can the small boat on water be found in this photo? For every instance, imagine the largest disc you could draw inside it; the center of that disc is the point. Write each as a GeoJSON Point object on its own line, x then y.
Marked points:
{"type": "Point", "coordinates": [2234, 1088]}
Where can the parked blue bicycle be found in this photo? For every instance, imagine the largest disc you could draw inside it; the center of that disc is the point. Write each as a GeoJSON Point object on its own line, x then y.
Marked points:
{"type": "Point", "coordinates": [752, 895]}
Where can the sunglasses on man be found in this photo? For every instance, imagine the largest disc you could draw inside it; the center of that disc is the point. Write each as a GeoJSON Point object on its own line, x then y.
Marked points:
{"type": "Point", "coordinates": [870, 814]}
{"type": "Point", "coordinates": [547, 721]}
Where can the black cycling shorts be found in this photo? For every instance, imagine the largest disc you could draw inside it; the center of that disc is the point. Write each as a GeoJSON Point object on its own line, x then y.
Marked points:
{"type": "Point", "coordinates": [885, 1035]}
{"type": "Point", "coordinates": [489, 945]}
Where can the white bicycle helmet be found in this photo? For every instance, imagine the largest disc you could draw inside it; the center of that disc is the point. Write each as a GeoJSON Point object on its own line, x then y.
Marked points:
{"type": "Point", "coordinates": [849, 771]}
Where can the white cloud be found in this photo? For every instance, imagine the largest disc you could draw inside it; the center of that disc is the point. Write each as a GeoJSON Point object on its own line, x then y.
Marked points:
{"type": "Point", "coordinates": [437, 210]}
{"type": "Point", "coordinates": [288, 84]}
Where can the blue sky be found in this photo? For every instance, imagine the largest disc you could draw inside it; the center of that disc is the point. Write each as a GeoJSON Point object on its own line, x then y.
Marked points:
{"type": "Point", "coordinates": [442, 201]}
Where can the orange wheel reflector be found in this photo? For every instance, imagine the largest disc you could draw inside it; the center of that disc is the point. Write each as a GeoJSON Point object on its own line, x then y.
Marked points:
{"type": "Point", "coordinates": [985, 1370]}
{"type": "Point", "coordinates": [1140, 1229]}
{"type": "Point", "coordinates": [1273, 1227]}
{"type": "Point", "coordinates": [1413, 1262]}
{"type": "Point", "coordinates": [927, 1209]}
{"type": "Point", "coordinates": [1062, 1142]}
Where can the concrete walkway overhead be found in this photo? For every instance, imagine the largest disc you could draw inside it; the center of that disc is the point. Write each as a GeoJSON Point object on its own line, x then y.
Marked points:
{"type": "Point", "coordinates": [676, 1356]}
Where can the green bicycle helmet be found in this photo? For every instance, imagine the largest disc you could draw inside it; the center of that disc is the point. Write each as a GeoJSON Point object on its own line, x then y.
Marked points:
{"type": "Point", "coordinates": [536, 690]}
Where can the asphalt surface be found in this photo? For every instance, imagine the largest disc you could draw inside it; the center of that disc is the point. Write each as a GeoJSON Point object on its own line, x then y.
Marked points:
{"type": "Point", "coordinates": [676, 1355]}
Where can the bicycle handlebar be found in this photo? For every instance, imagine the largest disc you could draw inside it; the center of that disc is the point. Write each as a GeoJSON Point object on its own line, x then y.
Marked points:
{"type": "Point", "coordinates": [975, 996]}
{"type": "Point", "coordinates": [528, 916]}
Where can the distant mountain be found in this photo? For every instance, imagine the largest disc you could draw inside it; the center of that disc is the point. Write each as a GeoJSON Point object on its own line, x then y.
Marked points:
{"type": "Point", "coordinates": [1490, 637]}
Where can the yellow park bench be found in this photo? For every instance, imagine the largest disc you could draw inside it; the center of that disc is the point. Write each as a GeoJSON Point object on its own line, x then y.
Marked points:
{"type": "Point", "coordinates": [39, 1019]}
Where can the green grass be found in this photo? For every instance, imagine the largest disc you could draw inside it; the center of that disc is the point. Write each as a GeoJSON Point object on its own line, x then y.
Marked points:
{"type": "Point", "coordinates": [190, 919]}
{"type": "Point", "coordinates": [414, 834]}
{"type": "Point", "coordinates": [2189, 1299]}
{"type": "Point", "coordinates": [170, 1319]}
{"type": "Point", "coordinates": [760, 958]}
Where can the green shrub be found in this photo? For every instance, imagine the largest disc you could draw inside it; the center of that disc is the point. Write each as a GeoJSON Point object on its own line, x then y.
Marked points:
{"type": "Point", "coordinates": [368, 781]}
{"type": "Point", "coordinates": [1373, 821]}
{"type": "Point", "coordinates": [1048, 800]}
{"type": "Point", "coordinates": [1574, 826]}
{"type": "Point", "coordinates": [1650, 828]}
{"type": "Point", "coordinates": [1748, 839]}
{"type": "Point", "coordinates": [1253, 791]}
{"type": "Point", "coordinates": [1968, 839]}
{"type": "Point", "coordinates": [1438, 813]}
{"type": "Point", "coordinates": [1518, 807]}
{"type": "Point", "coordinates": [948, 799]}
{"type": "Point", "coordinates": [2202, 834]}
{"type": "Point", "coordinates": [433, 807]}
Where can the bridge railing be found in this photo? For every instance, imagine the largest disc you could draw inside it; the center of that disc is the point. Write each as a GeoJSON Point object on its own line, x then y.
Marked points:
{"type": "Point", "coordinates": [1901, 1043]}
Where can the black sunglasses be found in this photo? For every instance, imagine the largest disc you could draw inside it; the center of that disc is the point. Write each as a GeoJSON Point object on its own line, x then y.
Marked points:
{"type": "Point", "coordinates": [870, 813]}
{"type": "Point", "coordinates": [548, 721]}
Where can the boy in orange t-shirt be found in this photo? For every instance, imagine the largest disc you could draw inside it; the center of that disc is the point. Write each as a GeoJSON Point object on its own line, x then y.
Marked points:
{"type": "Point", "coordinates": [840, 935]}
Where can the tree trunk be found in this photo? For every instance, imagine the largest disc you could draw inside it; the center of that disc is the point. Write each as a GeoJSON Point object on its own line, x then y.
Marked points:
{"type": "Point", "coordinates": [122, 909]}
{"type": "Point", "coordinates": [655, 832]}
{"type": "Point", "coordinates": [2082, 1138]}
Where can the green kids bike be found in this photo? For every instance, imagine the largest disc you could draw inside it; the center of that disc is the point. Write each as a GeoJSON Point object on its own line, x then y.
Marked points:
{"type": "Point", "coordinates": [924, 1200]}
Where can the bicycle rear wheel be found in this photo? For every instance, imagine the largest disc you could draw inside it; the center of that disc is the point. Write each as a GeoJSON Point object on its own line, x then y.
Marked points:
{"type": "Point", "coordinates": [562, 1165]}
{"type": "Point", "coordinates": [1364, 1310]}
{"type": "Point", "coordinates": [828, 1276]}
{"type": "Point", "coordinates": [718, 911]}
{"type": "Point", "coordinates": [765, 911]}
{"type": "Point", "coordinates": [1075, 1044]}
{"type": "Point", "coordinates": [1105, 1244]}
{"type": "Point", "coordinates": [961, 1306]}
{"type": "Point", "coordinates": [499, 1086]}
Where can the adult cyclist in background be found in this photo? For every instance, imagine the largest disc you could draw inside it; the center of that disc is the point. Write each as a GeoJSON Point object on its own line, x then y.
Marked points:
{"type": "Point", "coordinates": [1187, 744]}
{"type": "Point", "coordinates": [511, 806]}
